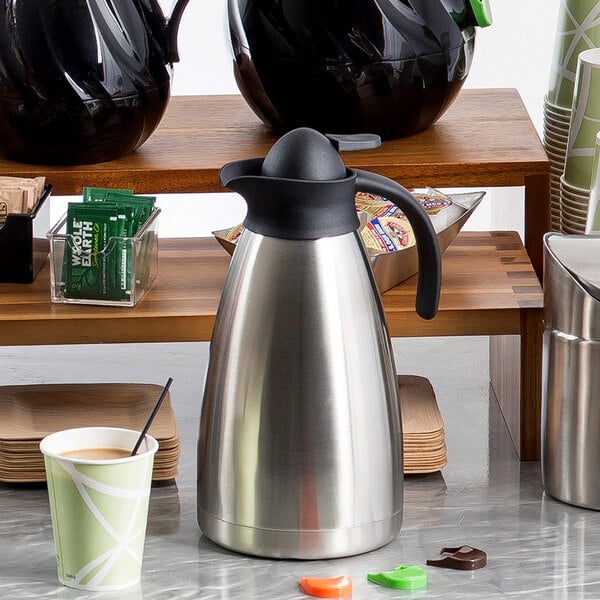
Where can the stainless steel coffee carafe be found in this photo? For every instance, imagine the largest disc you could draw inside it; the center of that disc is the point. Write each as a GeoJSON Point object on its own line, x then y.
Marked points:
{"type": "Point", "coordinates": [300, 444]}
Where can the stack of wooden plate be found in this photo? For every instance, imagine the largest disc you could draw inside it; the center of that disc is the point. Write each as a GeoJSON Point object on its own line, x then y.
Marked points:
{"type": "Point", "coordinates": [422, 426]}
{"type": "Point", "coordinates": [30, 412]}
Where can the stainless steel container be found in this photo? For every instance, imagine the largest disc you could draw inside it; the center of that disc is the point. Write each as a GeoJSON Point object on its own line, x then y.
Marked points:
{"type": "Point", "coordinates": [311, 446]}
{"type": "Point", "coordinates": [300, 444]}
{"type": "Point", "coordinates": [571, 369]}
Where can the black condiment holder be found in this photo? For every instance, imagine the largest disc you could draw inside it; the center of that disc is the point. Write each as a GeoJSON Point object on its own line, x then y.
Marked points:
{"type": "Point", "coordinates": [24, 247]}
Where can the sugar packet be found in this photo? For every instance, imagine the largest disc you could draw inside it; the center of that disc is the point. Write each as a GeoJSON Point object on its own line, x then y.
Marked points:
{"type": "Point", "coordinates": [19, 194]}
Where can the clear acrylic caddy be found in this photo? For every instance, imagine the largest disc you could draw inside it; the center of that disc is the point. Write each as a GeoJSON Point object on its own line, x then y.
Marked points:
{"type": "Point", "coordinates": [133, 260]}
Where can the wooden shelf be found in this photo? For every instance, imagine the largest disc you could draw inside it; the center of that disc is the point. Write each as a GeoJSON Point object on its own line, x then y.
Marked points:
{"type": "Point", "coordinates": [485, 139]}
{"type": "Point", "coordinates": [487, 282]}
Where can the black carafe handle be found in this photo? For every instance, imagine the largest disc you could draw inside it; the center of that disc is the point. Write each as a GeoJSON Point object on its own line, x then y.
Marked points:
{"type": "Point", "coordinates": [172, 29]}
{"type": "Point", "coordinates": [430, 269]}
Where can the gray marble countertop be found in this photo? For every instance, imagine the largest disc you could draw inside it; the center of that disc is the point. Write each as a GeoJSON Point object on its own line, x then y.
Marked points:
{"type": "Point", "coordinates": [537, 547]}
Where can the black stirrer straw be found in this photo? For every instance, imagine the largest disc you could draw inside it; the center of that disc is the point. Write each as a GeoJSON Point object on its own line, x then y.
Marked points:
{"type": "Point", "coordinates": [163, 394]}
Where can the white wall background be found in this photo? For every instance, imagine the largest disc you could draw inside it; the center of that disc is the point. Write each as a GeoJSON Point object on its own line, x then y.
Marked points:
{"type": "Point", "coordinates": [515, 52]}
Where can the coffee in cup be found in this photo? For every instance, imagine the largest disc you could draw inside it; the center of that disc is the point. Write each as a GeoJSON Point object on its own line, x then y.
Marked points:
{"type": "Point", "coordinates": [96, 453]}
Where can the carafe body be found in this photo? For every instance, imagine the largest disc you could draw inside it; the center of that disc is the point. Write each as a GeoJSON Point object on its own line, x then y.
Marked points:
{"type": "Point", "coordinates": [300, 452]}
{"type": "Point", "coordinates": [300, 443]}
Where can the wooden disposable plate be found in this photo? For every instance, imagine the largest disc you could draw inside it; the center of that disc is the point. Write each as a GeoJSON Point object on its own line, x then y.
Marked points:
{"type": "Point", "coordinates": [17, 448]}
{"type": "Point", "coordinates": [30, 412]}
{"type": "Point", "coordinates": [34, 477]}
{"type": "Point", "coordinates": [420, 412]}
{"type": "Point", "coordinates": [424, 440]}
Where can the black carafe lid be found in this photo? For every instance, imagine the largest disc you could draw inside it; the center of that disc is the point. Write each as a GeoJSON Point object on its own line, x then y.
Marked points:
{"type": "Point", "coordinates": [303, 191]}
{"type": "Point", "coordinates": [300, 190]}
{"type": "Point", "coordinates": [304, 154]}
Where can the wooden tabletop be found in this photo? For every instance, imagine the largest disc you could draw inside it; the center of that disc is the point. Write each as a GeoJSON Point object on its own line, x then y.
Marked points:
{"type": "Point", "coordinates": [486, 138]}
{"type": "Point", "coordinates": [487, 281]}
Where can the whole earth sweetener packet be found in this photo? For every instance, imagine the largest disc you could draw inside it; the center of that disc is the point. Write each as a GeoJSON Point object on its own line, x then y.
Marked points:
{"type": "Point", "coordinates": [89, 264]}
{"type": "Point", "coordinates": [142, 205]}
{"type": "Point", "coordinates": [121, 254]}
{"type": "Point", "coordinates": [137, 210]}
{"type": "Point", "coordinates": [93, 194]}
{"type": "Point", "coordinates": [119, 249]}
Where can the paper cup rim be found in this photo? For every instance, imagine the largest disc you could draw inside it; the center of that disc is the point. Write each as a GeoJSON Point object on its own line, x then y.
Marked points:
{"type": "Point", "coordinates": [573, 223]}
{"type": "Point", "coordinates": [150, 445]}
{"type": "Point", "coordinates": [574, 209]}
{"type": "Point", "coordinates": [575, 202]}
{"type": "Point", "coordinates": [555, 138]}
{"type": "Point", "coordinates": [553, 143]}
{"type": "Point", "coordinates": [574, 219]}
{"type": "Point", "coordinates": [557, 120]}
{"type": "Point", "coordinates": [573, 188]}
{"type": "Point", "coordinates": [557, 116]}
{"type": "Point", "coordinates": [574, 206]}
{"type": "Point", "coordinates": [574, 194]}
{"type": "Point", "coordinates": [108, 589]}
{"type": "Point", "coordinates": [557, 108]}
{"type": "Point", "coordinates": [573, 191]}
{"type": "Point", "coordinates": [555, 132]}
{"type": "Point", "coordinates": [556, 152]}
{"type": "Point", "coordinates": [585, 54]}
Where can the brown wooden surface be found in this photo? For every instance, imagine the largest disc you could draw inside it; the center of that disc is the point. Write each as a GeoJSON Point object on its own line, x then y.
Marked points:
{"type": "Point", "coordinates": [30, 412]}
{"type": "Point", "coordinates": [487, 280]}
{"type": "Point", "coordinates": [485, 139]}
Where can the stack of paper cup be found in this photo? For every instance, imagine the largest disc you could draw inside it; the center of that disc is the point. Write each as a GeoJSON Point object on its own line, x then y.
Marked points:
{"type": "Point", "coordinates": [556, 133]}
{"type": "Point", "coordinates": [578, 30]}
{"type": "Point", "coordinates": [585, 125]}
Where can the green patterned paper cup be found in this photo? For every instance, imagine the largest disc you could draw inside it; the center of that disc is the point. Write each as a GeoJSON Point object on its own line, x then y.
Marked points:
{"type": "Point", "coordinates": [99, 508]}
{"type": "Point", "coordinates": [578, 29]}
{"type": "Point", "coordinates": [585, 120]}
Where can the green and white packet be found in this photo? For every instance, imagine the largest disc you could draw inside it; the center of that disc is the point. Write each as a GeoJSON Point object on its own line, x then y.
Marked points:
{"type": "Point", "coordinates": [94, 194]}
{"type": "Point", "coordinates": [138, 210]}
{"type": "Point", "coordinates": [89, 268]}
